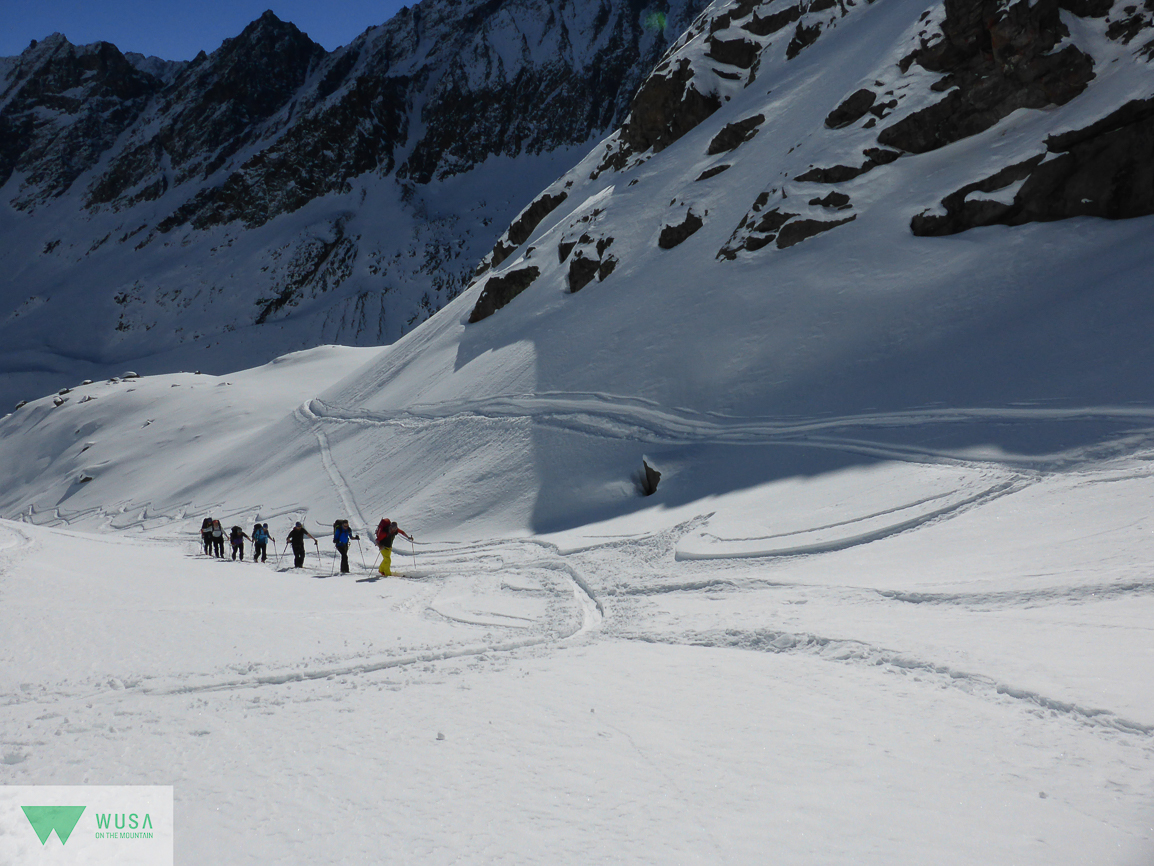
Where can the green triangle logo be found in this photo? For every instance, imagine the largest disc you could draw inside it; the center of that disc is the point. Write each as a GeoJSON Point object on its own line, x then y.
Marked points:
{"type": "Point", "coordinates": [45, 819]}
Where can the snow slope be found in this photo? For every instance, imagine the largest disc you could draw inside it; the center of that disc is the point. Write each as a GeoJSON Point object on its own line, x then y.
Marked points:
{"type": "Point", "coordinates": [970, 689]}
{"type": "Point", "coordinates": [889, 603]}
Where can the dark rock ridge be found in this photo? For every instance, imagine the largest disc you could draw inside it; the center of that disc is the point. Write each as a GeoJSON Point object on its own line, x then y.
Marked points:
{"type": "Point", "coordinates": [714, 172]}
{"type": "Point", "coordinates": [582, 270]}
{"type": "Point", "coordinates": [796, 231]}
{"type": "Point", "coordinates": [875, 156]}
{"type": "Point", "coordinates": [852, 109]}
{"type": "Point", "coordinates": [355, 114]}
{"type": "Point", "coordinates": [216, 107]}
{"type": "Point", "coordinates": [520, 229]}
{"type": "Point", "coordinates": [1105, 170]}
{"type": "Point", "coordinates": [684, 89]}
{"type": "Point", "coordinates": [995, 58]}
{"type": "Point", "coordinates": [316, 120]}
{"type": "Point", "coordinates": [181, 162]}
{"type": "Point", "coordinates": [61, 108]}
{"type": "Point", "coordinates": [500, 289]}
{"type": "Point", "coordinates": [784, 228]}
{"type": "Point", "coordinates": [589, 262]}
{"type": "Point", "coordinates": [666, 107]}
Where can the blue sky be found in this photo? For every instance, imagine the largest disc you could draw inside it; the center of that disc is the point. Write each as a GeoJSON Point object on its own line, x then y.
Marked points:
{"type": "Point", "coordinates": [177, 31]}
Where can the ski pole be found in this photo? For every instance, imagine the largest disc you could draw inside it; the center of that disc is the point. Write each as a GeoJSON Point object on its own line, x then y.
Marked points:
{"type": "Point", "coordinates": [274, 550]}
{"type": "Point", "coordinates": [362, 550]}
{"type": "Point", "coordinates": [332, 570]}
{"type": "Point", "coordinates": [413, 545]}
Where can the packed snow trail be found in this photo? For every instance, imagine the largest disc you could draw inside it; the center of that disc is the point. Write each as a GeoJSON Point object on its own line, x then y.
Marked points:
{"type": "Point", "coordinates": [630, 418]}
{"type": "Point", "coordinates": [334, 472]}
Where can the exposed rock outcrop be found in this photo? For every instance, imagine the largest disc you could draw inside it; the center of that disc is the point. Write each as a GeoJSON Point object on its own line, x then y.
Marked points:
{"type": "Point", "coordinates": [582, 270]}
{"type": "Point", "coordinates": [61, 108]}
{"type": "Point", "coordinates": [673, 235]}
{"type": "Point", "coordinates": [500, 289]}
{"type": "Point", "coordinates": [796, 231]}
{"type": "Point", "coordinates": [875, 156]}
{"type": "Point", "coordinates": [995, 58]}
{"type": "Point", "coordinates": [1104, 170]}
{"type": "Point", "coordinates": [522, 227]}
{"type": "Point", "coordinates": [735, 134]}
{"type": "Point", "coordinates": [666, 107]}
{"type": "Point", "coordinates": [852, 109]}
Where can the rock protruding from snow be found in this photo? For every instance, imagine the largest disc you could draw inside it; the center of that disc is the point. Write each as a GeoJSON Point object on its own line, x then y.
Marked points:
{"type": "Point", "coordinates": [1103, 170]}
{"type": "Point", "coordinates": [996, 58]}
{"type": "Point", "coordinates": [520, 229]}
{"type": "Point", "coordinates": [852, 109]}
{"type": "Point", "coordinates": [677, 233]}
{"type": "Point", "coordinates": [735, 134]}
{"type": "Point", "coordinates": [500, 289]}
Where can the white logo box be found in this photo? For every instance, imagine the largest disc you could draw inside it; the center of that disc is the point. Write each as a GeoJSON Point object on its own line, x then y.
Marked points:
{"type": "Point", "coordinates": [121, 825]}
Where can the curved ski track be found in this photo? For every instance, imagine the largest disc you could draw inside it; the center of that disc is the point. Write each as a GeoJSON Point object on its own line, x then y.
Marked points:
{"type": "Point", "coordinates": [635, 419]}
{"type": "Point", "coordinates": [638, 420]}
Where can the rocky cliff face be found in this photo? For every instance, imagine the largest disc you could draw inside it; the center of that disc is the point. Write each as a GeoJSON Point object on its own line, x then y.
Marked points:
{"type": "Point", "coordinates": [61, 109]}
{"type": "Point", "coordinates": [1043, 109]}
{"type": "Point", "coordinates": [270, 195]}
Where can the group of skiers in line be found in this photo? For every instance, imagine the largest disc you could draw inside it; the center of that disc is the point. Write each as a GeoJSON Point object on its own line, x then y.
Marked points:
{"type": "Point", "coordinates": [212, 535]}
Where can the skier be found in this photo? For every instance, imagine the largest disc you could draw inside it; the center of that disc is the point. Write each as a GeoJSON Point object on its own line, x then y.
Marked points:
{"type": "Point", "coordinates": [296, 538]}
{"type": "Point", "coordinates": [237, 536]}
{"type": "Point", "coordinates": [260, 540]}
{"type": "Point", "coordinates": [217, 539]}
{"type": "Point", "coordinates": [342, 534]}
{"type": "Point", "coordinates": [386, 532]}
{"type": "Point", "coordinates": [206, 535]}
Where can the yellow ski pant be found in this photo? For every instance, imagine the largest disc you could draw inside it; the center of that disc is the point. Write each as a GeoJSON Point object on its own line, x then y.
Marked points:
{"type": "Point", "coordinates": [386, 561]}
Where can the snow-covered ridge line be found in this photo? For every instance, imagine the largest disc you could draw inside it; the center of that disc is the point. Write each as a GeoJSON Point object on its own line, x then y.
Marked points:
{"type": "Point", "coordinates": [272, 196]}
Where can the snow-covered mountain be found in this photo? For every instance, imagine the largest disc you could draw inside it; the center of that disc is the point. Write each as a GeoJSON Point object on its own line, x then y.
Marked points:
{"type": "Point", "coordinates": [271, 196]}
{"type": "Point", "coordinates": [833, 217]}
{"type": "Point", "coordinates": [780, 482]}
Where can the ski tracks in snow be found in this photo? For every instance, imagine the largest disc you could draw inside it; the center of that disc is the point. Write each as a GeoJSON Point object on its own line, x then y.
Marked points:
{"type": "Point", "coordinates": [526, 594]}
{"type": "Point", "coordinates": [855, 652]}
{"type": "Point", "coordinates": [617, 417]}
{"type": "Point", "coordinates": [305, 415]}
{"type": "Point", "coordinates": [451, 589]}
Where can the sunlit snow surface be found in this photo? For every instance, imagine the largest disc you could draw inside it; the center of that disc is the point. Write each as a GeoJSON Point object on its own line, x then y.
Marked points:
{"type": "Point", "coordinates": [876, 653]}
{"type": "Point", "coordinates": [890, 604]}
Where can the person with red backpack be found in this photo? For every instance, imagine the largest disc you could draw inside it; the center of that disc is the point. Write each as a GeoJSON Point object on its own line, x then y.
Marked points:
{"type": "Point", "coordinates": [387, 531]}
